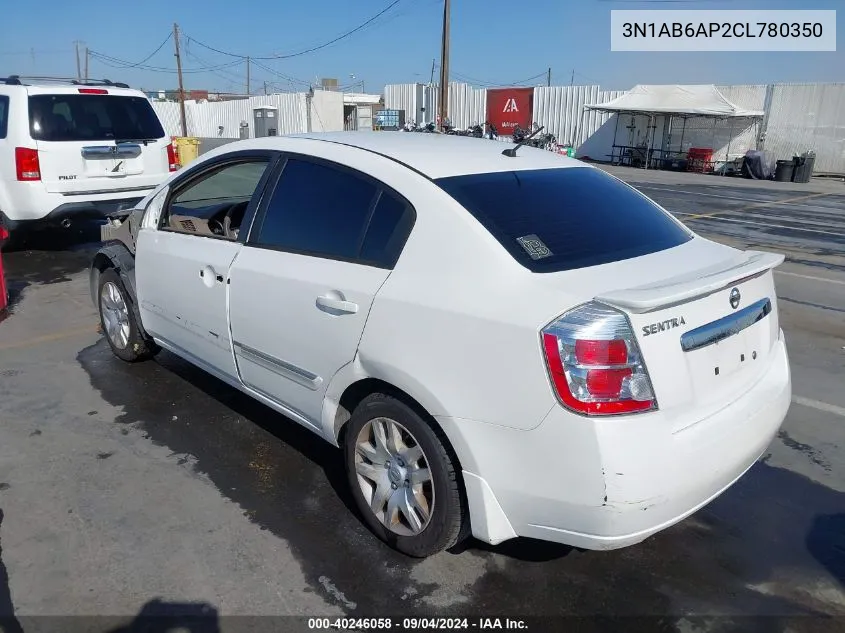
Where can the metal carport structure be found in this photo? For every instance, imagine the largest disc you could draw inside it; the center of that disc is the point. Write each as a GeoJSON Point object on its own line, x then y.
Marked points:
{"type": "Point", "coordinates": [670, 101]}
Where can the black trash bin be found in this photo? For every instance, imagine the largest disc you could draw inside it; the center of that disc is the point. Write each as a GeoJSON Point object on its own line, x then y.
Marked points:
{"type": "Point", "coordinates": [784, 170]}
{"type": "Point", "coordinates": [803, 167]}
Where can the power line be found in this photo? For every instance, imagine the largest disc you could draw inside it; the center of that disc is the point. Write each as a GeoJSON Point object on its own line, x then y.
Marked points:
{"type": "Point", "coordinates": [223, 74]}
{"type": "Point", "coordinates": [306, 51]}
{"type": "Point", "coordinates": [148, 57]}
{"type": "Point", "coordinates": [115, 62]}
{"type": "Point", "coordinates": [491, 84]}
{"type": "Point", "coordinates": [280, 75]}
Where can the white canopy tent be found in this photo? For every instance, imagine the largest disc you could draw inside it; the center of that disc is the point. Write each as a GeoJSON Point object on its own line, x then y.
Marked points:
{"type": "Point", "coordinates": [673, 101]}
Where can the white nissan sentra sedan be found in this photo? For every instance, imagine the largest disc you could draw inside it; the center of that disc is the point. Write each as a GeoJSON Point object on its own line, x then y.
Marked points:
{"type": "Point", "coordinates": [502, 345]}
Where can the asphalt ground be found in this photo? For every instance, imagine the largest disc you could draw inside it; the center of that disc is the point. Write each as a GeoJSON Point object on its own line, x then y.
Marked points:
{"type": "Point", "coordinates": [130, 488]}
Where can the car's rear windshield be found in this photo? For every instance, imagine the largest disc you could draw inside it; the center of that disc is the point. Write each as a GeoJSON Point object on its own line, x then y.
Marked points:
{"type": "Point", "coordinates": [87, 117]}
{"type": "Point", "coordinates": [552, 220]}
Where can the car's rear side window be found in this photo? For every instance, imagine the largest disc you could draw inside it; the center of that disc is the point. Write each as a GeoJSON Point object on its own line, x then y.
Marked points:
{"type": "Point", "coordinates": [4, 116]}
{"type": "Point", "coordinates": [86, 117]}
{"type": "Point", "coordinates": [552, 220]}
{"type": "Point", "coordinates": [327, 211]}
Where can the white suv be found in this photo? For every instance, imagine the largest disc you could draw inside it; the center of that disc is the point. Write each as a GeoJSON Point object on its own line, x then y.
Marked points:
{"type": "Point", "coordinates": [73, 149]}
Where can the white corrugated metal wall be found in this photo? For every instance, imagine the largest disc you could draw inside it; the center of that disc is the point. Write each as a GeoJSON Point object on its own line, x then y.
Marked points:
{"type": "Point", "coordinates": [467, 105]}
{"type": "Point", "coordinates": [808, 117]}
{"type": "Point", "coordinates": [561, 110]}
{"type": "Point", "coordinates": [799, 117]}
{"type": "Point", "coordinates": [204, 119]}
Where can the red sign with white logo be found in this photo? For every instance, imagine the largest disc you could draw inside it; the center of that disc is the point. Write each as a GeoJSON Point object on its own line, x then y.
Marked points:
{"type": "Point", "coordinates": [509, 107]}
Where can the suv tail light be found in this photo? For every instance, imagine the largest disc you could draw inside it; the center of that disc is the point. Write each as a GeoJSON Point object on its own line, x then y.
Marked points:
{"type": "Point", "coordinates": [27, 166]}
{"type": "Point", "coordinates": [172, 163]}
{"type": "Point", "coordinates": [594, 362]}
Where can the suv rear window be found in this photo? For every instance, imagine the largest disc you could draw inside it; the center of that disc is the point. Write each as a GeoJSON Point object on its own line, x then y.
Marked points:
{"type": "Point", "coordinates": [78, 117]}
{"type": "Point", "coordinates": [552, 220]}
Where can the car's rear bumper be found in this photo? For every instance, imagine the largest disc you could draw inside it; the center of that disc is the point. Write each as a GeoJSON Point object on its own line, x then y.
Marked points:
{"type": "Point", "coordinates": [609, 483]}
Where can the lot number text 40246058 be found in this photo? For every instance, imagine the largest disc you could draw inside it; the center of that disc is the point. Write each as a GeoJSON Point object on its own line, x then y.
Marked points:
{"type": "Point", "coordinates": [416, 624]}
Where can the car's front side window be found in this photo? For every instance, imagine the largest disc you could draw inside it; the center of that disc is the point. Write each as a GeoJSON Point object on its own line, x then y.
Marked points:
{"type": "Point", "coordinates": [216, 203]}
{"type": "Point", "coordinates": [326, 211]}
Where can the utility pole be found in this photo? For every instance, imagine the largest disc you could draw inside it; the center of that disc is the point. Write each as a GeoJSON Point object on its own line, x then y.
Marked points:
{"type": "Point", "coordinates": [248, 89]}
{"type": "Point", "coordinates": [549, 78]}
{"type": "Point", "coordinates": [181, 85]}
{"type": "Point", "coordinates": [87, 57]}
{"type": "Point", "coordinates": [433, 64]}
{"type": "Point", "coordinates": [265, 88]}
{"type": "Point", "coordinates": [78, 67]}
{"type": "Point", "coordinates": [572, 80]}
{"type": "Point", "coordinates": [444, 65]}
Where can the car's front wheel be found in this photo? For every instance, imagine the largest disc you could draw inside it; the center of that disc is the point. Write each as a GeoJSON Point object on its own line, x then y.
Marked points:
{"type": "Point", "coordinates": [117, 320]}
{"type": "Point", "coordinates": [403, 478]}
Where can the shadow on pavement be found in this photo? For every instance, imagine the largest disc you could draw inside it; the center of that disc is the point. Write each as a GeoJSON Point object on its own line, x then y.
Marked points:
{"type": "Point", "coordinates": [826, 542]}
{"type": "Point", "coordinates": [526, 550]}
{"type": "Point", "coordinates": [8, 622]}
{"type": "Point", "coordinates": [158, 616]}
{"type": "Point", "coordinates": [55, 238]}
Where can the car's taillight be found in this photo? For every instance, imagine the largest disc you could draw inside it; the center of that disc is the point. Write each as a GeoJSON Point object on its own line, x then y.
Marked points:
{"type": "Point", "coordinates": [172, 163]}
{"type": "Point", "coordinates": [93, 91]}
{"type": "Point", "coordinates": [27, 166]}
{"type": "Point", "coordinates": [594, 362]}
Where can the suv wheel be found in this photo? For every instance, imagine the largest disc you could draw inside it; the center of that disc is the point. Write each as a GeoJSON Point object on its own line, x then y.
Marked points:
{"type": "Point", "coordinates": [403, 478]}
{"type": "Point", "coordinates": [118, 320]}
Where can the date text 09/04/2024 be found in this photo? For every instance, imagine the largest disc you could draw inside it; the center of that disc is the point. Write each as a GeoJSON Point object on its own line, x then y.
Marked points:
{"type": "Point", "coordinates": [415, 624]}
{"type": "Point", "coordinates": [723, 29]}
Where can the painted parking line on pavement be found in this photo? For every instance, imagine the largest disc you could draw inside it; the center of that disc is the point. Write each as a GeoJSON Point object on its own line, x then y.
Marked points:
{"type": "Point", "coordinates": [820, 406]}
{"type": "Point", "coordinates": [772, 203]}
{"type": "Point", "coordinates": [698, 193]}
{"type": "Point", "coordinates": [48, 338]}
{"type": "Point", "coordinates": [751, 222]}
{"type": "Point", "coordinates": [724, 197]}
{"type": "Point", "coordinates": [830, 281]}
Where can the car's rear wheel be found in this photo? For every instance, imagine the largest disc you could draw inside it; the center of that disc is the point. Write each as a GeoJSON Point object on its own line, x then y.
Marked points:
{"type": "Point", "coordinates": [118, 320]}
{"type": "Point", "coordinates": [403, 478]}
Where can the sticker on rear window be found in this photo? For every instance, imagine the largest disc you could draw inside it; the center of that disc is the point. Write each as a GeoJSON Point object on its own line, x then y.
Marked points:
{"type": "Point", "coordinates": [534, 246]}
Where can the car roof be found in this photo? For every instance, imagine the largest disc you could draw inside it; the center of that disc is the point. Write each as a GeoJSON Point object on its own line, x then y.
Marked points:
{"type": "Point", "coordinates": [435, 155]}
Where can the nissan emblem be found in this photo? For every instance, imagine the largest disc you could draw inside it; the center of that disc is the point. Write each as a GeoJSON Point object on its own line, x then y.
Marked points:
{"type": "Point", "coordinates": [735, 297]}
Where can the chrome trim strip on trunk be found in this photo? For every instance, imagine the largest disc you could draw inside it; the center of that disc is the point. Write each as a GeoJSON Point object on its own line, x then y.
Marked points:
{"type": "Point", "coordinates": [123, 150]}
{"type": "Point", "coordinates": [280, 367]}
{"type": "Point", "coordinates": [725, 327]}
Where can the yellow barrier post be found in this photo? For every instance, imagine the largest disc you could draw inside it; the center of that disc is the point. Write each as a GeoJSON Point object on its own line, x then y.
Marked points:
{"type": "Point", "coordinates": [187, 149]}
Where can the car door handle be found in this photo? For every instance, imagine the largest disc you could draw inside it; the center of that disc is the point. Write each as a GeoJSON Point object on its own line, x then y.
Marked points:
{"type": "Point", "coordinates": [333, 304]}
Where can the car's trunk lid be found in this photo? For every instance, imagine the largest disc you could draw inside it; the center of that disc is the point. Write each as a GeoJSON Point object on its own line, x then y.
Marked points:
{"type": "Point", "coordinates": [702, 348]}
{"type": "Point", "coordinates": [705, 333]}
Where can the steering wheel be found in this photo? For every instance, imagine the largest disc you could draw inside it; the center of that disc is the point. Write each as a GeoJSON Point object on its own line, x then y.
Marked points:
{"type": "Point", "coordinates": [231, 221]}
{"type": "Point", "coordinates": [217, 227]}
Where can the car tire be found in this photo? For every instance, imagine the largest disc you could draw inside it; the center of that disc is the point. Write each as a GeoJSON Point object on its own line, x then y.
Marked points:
{"type": "Point", "coordinates": [117, 320]}
{"type": "Point", "coordinates": [410, 499]}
